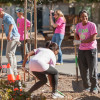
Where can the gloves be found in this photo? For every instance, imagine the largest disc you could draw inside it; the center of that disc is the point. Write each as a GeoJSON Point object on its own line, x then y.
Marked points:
{"type": "Point", "coordinates": [77, 42]}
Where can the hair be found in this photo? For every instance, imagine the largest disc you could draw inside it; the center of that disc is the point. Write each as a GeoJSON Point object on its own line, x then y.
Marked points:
{"type": "Point", "coordinates": [21, 13]}
{"type": "Point", "coordinates": [60, 14]}
{"type": "Point", "coordinates": [81, 12]}
{"type": "Point", "coordinates": [52, 45]}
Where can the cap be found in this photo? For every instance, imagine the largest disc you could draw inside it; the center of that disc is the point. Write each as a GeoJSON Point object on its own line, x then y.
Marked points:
{"type": "Point", "coordinates": [20, 10]}
{"type": "Point", "coordinates": [1, 9]}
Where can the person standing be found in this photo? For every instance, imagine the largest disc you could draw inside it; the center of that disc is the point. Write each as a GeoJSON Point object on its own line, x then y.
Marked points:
{"type": "Point", "coordinates": [59, 25]}
{"type": "Point", "coordinates": [86, 33]}
{"type": "Point", "coordinates": [13, 36]}
{"type": "Point", "coordinates": [20, 26]}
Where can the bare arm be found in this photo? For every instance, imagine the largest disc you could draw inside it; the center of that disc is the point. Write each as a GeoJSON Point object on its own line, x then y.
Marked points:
{"type": "Point", "coordinates": [27, 56]}
{"type": "Point", "coordinates": [92, 38]}
{"type": "Point", "coordinates": [52, 22]}
{"type": "Point", "coordinates": [10, 30]}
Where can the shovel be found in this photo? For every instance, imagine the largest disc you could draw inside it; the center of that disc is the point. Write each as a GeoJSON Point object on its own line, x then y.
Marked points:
{"type": "Point", "coordinates": [76, 59]}
{"type": "Point", "coordinates": [2, 66]}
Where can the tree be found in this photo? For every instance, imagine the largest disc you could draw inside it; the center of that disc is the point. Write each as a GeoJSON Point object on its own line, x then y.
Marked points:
{"type": "Point", "coordinates": [10, 2]}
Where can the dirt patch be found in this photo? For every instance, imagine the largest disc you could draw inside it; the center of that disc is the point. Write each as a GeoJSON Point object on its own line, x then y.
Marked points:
{"type": "Point", "coordinates": [68, 85]}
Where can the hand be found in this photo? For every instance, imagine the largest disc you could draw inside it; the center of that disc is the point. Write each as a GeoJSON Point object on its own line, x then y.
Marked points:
{"type": "Point", "coordinates": [8, 38]}
{"type": "Point", "coordinates": [51, 11]}
{"type": "Point", "coordinates": [24, 69]}
{"type": "Point", "coordinates": [77, 42]}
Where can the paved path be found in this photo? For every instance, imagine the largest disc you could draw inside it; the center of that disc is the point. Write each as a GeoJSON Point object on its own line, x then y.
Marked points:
{"type": "Point", "coordinates": [67, 68]}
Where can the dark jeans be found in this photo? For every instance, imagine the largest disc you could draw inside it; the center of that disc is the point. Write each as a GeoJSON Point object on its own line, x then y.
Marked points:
{"type": "Point", "coordinates": [43, 79]}
{"type": "Point", "coordinates": [87, 60]}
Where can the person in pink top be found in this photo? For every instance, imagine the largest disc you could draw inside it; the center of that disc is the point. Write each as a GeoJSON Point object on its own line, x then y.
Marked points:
{"type": "Point", "coordinates": [59, 25]}
{"type": "Point", "coordinates": [86, 33]}
{"type": "Point", "coordinates": [20, 26]}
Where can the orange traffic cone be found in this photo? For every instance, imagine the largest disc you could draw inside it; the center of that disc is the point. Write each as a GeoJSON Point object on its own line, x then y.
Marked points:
{"type": "Point", "coordinates": [10, 73]}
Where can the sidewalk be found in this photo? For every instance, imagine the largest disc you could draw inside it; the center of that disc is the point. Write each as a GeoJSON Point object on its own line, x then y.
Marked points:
{"type": "Point", "coordinates": [67, 68]}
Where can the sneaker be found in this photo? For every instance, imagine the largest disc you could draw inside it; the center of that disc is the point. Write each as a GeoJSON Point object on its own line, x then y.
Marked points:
{"type": "Point", "coordinates": [87, 90]}
{"type": "Point", "coordinates": [57, 95]}
{"type": "Point", "coordinates": [32, 96]}
{"type": "Point", "coordinates": [59, 63]}
{"type": "Point", "coordinates": [95, 90]}
{"type": "Point", "coordinates": [20, 62]}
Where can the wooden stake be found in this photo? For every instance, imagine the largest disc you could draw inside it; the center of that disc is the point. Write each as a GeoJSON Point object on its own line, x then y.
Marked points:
{"type": "Point", "coordinates": [35, 22]}
{"type": "Point", "coordinates": [1, 48]}
{"type": "Point", "coordinates": [25, 30]}
{"type": "Point", "coordinates": [26, 71]}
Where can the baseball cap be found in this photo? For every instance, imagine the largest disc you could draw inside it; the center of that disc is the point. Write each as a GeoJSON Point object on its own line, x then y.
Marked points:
{"type": "Point", "coordinates": [1, 9]}
{"type": "Point", "coordinates": [20, 10]}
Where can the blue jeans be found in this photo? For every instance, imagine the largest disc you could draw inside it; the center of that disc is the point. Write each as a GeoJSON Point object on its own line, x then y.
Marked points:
{"type": "Point", "coordinates": [58, 39]}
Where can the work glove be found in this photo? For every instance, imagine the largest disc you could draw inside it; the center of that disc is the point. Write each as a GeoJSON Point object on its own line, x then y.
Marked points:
{"type": "Point", "coordinates": [76, 42]}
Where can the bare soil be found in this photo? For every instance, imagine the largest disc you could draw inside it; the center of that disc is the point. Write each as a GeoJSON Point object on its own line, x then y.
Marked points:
{"type": "Point", "coordinates": [67, 84]}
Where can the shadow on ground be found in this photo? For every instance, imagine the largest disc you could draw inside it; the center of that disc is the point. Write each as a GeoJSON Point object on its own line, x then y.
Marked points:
{"type": "Point", "coordinates": [69, 61]}
{"type": "Point", "coordinates": [89, 98]}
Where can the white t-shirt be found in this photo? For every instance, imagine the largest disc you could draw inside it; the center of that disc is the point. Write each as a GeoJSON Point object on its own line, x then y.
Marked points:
{"type": "Point", "coordinates": [42, 60]}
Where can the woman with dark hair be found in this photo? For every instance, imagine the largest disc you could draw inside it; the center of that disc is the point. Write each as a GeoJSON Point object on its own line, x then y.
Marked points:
{"type": "Point", "coordinates": [59, 33]}
{"type": "Point", "coordinates": [86, 33]}
{"type": "Point", "coordinates": [42, 64]}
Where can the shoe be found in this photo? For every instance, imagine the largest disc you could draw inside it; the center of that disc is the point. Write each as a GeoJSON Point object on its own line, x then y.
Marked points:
{"type": "Point", "coordinates": [20, 62]}
{"type": "Point", "coordinates": [95, 90]}
{"type": "Point", "coordinates": [32, 96]}
{"type": "Point", "coordinates": [57, 95]}
{"type": "Point", "coordinates": [87, 90]}
{"type": "Point", "coordinates": [59, 63]}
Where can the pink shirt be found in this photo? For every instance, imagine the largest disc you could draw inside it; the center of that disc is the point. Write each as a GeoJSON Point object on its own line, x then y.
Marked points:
{"type": "Point", "coordinates": [85, 32]}
{"type": "Point", "coordinates": [61, 26]}
{"type": "Point", "coordinates": [20, 26]}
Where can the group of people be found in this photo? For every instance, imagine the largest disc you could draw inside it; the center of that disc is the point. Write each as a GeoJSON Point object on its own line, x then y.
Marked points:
{"type": "Point", "coordinates": [43, 61]}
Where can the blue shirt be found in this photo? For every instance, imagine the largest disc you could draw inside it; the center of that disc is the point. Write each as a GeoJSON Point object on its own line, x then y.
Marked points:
{"type": "Point", "coordinates": [8, 20]}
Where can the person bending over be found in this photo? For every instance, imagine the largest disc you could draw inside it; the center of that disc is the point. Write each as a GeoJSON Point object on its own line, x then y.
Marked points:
{"type": "Point", "coordinates": [42, 64]}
